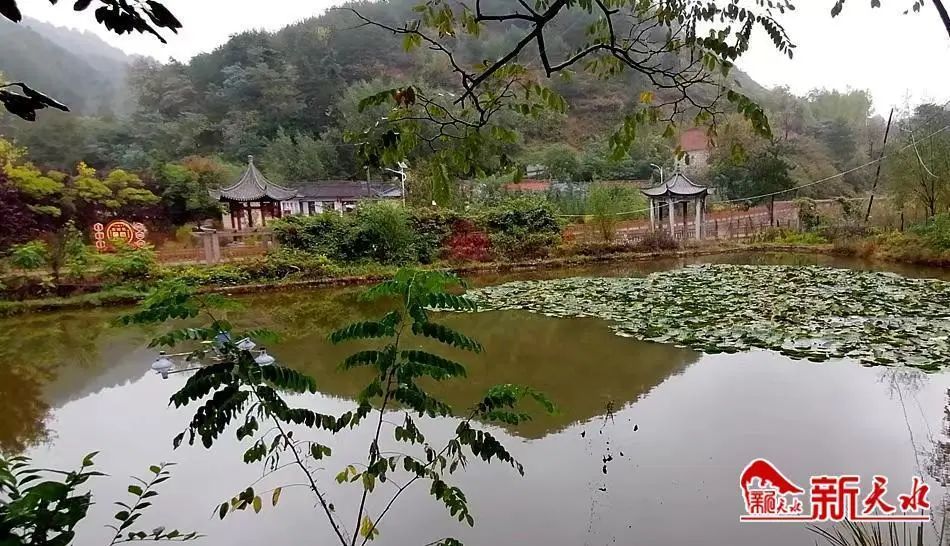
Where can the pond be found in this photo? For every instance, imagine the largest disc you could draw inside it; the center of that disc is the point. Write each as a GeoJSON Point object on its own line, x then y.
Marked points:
{"type": "Point", "coordinates": [680, 425]}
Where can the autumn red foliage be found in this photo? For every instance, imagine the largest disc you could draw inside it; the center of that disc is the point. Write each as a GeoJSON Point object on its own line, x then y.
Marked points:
{"type": "Point", "coordinates": [468, 244]}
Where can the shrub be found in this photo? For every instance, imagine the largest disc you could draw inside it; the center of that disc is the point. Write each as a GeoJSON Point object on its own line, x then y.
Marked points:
{"type": "Point", "coordinates": [521, 214]}
{"type": "Point", "coordinates": [522, 244]}
{"type": "Point", "coordinates": [523, 227]}
{"type": "Point", "coordinates": [433, 228]}
{"type": "Point", "coordinates": [381, 233]}
{"type": "Point", "coordinates": [64, 249]}
{"type": "Point", "coordinates": [325, 233]}
{"type": "Point", "coordinates": [468, 244]}
{"type": "Point", "coordinates": [606, 202]}
{"type": "Point", "coordinates": [602, 204]}
{"type": "Point", "coordinates": [128, 264]}
{"type": "Point", "coordinates": [657, 241]}
{"type": "Point", "coordinates": [935, 232]}
{"type": "Point", "coordinates": [849, 210]}
{"type": "Point", "coordinates": [31, 255]}
{"type": "Point", "coordinates": [808, 216]}
{"type": "Point", "coordinates": [845, 231]}
{"type": "Point", "coordinates": [907, 247]}
{"type": "Point", "coordinates": [284, 264]}
{"type": "Point", "coordinates": [862, 248]}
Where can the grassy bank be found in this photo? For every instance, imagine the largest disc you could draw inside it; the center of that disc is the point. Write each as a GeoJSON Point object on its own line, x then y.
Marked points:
{"type": "Point", "coordinates": [284, 270]}
{"type": "Point", "coordinates": [926, 244]}
{"type": "Point", "coordinates": [894, 247]}
{"type": "Point", "coordinates": [235, 279]}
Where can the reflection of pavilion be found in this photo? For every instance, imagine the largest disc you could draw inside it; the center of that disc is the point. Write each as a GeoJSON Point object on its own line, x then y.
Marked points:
{"type": "Point", "coordinates": [678, 189]}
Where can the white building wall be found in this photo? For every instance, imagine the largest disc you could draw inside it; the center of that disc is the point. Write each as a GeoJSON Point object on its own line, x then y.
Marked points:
{"type": "Point", "coordinates": [311, 207]}
{"type": "Point", "coordinates": [290, 207]}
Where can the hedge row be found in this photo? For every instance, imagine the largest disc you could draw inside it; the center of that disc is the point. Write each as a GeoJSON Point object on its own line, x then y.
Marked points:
{"type": "Point", "coordinates": [389, 234]}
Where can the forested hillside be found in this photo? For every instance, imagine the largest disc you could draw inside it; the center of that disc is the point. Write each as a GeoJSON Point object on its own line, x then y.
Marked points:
{"type": "Point", "coordinates": [291, 96]}
{"type": "Point", "coordinates": [77, 67]}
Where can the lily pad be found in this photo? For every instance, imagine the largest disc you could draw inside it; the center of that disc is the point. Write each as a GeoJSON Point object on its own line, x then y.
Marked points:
{"type": "Point", "coordinates": [808, 312]}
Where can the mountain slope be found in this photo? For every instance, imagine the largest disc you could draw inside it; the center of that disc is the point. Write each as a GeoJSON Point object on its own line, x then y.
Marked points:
{"type": "Point", "coordinates": [77, 68]}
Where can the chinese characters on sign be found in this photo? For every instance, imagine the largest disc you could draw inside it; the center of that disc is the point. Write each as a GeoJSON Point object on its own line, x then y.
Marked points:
{"type": "Point", "coordinates": [770, 496]}
{"type": "Point", "coordinates": [105, 236]}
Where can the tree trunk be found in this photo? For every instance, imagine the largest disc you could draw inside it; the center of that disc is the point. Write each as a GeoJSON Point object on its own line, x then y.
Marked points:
{"type": "Point", "coordinates": [772, 211]}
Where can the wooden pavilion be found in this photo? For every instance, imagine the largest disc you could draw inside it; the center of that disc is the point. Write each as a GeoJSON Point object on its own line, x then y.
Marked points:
{"type": "Point", "coordinates": [252, 200]}
{"type": "Point", "coordinates": [677, 190]}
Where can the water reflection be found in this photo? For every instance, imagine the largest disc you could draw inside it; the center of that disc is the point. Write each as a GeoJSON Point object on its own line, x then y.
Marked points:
{"type": "Point", "coordinates": [673, 479]}
{"type": "Point", "coordinates": [33, 352]}
{"type": "Point", "coordinates": [51, 359]}
{"type": "Point", "coordinates": [683, 425]}
{"type": "Point", "coordinates": [579, 363]}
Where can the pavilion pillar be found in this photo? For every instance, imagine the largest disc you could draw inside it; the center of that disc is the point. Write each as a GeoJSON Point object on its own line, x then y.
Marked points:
{"type": "Point", "coordinates": [685, 218]}
{"type": "Point", "coordinates": [652, 215]}
{"type": "Point", "coordinates": [672, 210]}
{"type": "Point", "coordinates": [699, 218]}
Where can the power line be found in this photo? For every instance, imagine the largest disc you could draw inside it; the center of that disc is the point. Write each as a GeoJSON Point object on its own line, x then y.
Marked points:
{"type": "Point", "coordinates": [840, 174]}
{"type": "Point", "coordinates": [809, 184]}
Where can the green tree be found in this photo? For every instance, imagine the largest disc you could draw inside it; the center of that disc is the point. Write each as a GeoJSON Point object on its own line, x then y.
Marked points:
{"type": "Point", "coordinates": [607, 203]}
{"type": "Point", "coordinates": [185, 188]}
{"type": "Point", "coordinates": [756, 177]}
{"type": "Point", "coordinates": [853, 106]}
{"type": "Point", "coordinates": [235, 390]}
{"type": "Point", "coordinates": [64, 202]}
{"type": "Point", "coordinates": [597, 162]}
{"type": "Point", "coordinates": [920, 175]}
{"type": "Point", "coordinates": [560, 161]}
{"type": "Point", "coordinates": [839, 137]}
{"type": "Point", "coordinates": [43, 507]}
{"type": "Point", "coordinates": [295, 159]}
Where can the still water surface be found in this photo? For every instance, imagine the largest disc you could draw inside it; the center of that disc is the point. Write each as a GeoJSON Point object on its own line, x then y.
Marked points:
{"type": "Point", "coordinates": [71, 384]}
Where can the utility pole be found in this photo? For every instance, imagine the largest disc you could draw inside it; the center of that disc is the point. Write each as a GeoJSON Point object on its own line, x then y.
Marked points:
{"type": "Point", "coordinates": [658, 168]}
{"type": "Point", "coordinates": [403, 174]}
{"type": "Point", "coordinates": [877, 175]}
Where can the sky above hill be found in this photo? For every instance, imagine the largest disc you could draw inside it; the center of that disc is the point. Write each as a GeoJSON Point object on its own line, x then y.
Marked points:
{"type": "Point", "coordinates": [899, 58]}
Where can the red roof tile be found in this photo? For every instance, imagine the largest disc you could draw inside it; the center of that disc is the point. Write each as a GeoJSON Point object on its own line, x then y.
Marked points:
{"type": "Point", "coordinates": [529, 185]}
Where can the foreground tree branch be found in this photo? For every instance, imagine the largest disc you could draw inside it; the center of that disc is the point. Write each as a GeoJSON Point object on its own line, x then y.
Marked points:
{"type": "Point", "coordinates": [685, 49]}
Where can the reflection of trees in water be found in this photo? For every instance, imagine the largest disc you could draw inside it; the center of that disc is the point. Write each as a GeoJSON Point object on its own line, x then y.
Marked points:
{"type": "Point", "coordinates": [903, 381]}
{"type": "Point", "coordinates": [24, 413]}
{"type": "Point", "coordinates": [938, 467]}
{"type": "Point", "coordinates": [578, 363]}
{"type": "Point", "coordinates": [933, 452]}
{"type": "Point", "coordinates": [304, 314]}
{"type": "Point", "coordinates": [32, 351]}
